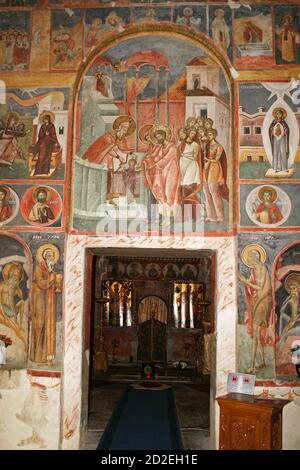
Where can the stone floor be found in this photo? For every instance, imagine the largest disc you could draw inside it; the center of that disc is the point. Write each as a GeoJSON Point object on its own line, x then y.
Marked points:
{"type": "Point", "coordinates": [192, 403]}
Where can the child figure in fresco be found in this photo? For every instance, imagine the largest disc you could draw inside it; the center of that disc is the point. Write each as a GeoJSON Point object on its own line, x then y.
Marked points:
{"type": "Point", "coordinates": [131, 179]}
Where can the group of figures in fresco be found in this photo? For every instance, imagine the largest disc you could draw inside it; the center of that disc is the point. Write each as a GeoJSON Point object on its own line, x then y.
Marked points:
{"type": "Point", "coordinates": [248, 35]}
{"type": "Point", "coordinates": [173, 171]}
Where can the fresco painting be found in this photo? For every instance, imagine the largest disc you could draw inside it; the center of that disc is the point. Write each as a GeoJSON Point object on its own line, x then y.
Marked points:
{"type": "Point", "coordinates": [269, 205]}
{"type": "Point", "coordinates": [287, 34]}
{"type": "Point", "coordinates": [268, 304]}
{"type": "Point", "coordinates": [253, 37]}
{"type": "Point", "coordinates": [269, 126]}
{"type": "Point", "coordinates": [198, 123]}
{"type": "Point", "coordinates": [287, 291]}
{"type": "Point", "coordinates": [33, 134]}
{"type": "Point", "coordinates": [15, 40]}
{"type": "Point", "coordinates": [220, 28]}
{"type": "Point", "coordinates": [14, 299]}
{"type": "Point", "coordinates": [161, 141]}
{"type": "Point", "coordinates": [66, 39]}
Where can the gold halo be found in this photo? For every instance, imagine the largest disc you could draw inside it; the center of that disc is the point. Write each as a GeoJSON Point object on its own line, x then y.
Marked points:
{"type": "Point", "coordinates": [269, 189]}
{"type": "Point", "coordinates": [6, 190]}
{"type": "Point", "coordinates": [37, 190]}
{"type": "Point", "coordinates": [9, 267]}
{"type": "Point", "coordinates": [143, 131]}
{"type": "Point", "coordinates": [284, 113]}
{"type": "Point", "coordinates": [122, 119]}
{"type": "Point", "coordinates": [287, 15]}
{"type": "Point", "coordinates": [13, 115]}
{"type": "Point", "coordinates": [253, 247]}
{"type": "Point", "coordinates": [293, 278]}
{"type": "Point", "coordinates": [165, 129]}
{"type": "Point", "coordinates": [47, 246]}
{"type": "Point", "coordinates": [47, 113]}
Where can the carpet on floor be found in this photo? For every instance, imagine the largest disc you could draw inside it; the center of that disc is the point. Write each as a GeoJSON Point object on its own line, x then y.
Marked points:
{"type": "Point", "coordinates": [143, 420]}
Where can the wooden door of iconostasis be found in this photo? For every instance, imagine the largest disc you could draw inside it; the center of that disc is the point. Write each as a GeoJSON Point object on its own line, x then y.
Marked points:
{"type": "Point", "coordinates": [152, 330]}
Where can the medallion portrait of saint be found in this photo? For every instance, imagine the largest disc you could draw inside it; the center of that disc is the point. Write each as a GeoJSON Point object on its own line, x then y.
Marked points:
{"type": "Point", "coordinates": [9, 205]}
{"type": "Point", "coordinates": [41, 205]}
{"type": "Point", "coordinates": [268, 206]}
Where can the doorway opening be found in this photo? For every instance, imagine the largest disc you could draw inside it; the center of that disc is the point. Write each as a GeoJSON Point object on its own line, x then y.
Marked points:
{"type": "Point", "coordinates": [151, 318]}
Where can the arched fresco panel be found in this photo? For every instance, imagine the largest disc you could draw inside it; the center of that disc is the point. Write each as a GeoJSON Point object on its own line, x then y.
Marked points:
{"type": "Point", "coordinates": [152, 143]}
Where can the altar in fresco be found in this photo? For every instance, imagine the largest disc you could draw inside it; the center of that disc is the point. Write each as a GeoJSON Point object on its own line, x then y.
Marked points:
{"type": "Point", "coordinates": [153, 139]}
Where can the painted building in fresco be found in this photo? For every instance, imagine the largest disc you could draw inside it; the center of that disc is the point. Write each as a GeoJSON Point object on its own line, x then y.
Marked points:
{"type": "Point", "coordinates": [139, 126]}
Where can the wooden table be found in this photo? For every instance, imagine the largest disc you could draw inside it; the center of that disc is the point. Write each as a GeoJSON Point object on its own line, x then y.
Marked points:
{"type": "Point", "coordinates": [250, 423]}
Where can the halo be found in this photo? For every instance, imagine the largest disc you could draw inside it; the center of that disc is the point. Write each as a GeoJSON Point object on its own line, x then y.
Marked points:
{"type": "Point", "coordinates": [44, 113]}
{"type": "Point", "coordinates": [9, 267]}
{"type": "Point", "coordinates": [165, 129]}
{"type": "Point", "coordinates": [284, 113]}
{"type": "Point", "coordinates": [6, 190]}
{"type": "Point", "coordinates": [253, 247]}
{"type": "Point", "coordinates": [13, 115]}
{"type": "Point", "coordinates": [187, 11]}
{"type": "Point", "coordinates": [287, 15]}
{"type": "Point", "coordinates": [271, 190]}
{"type": "Point", "coordinates": [293, 278]}
{"type": "Point", "coordinates": [37, 190]}
{"type": "Point", "coordinates": [47, 246]}
{"type": "Point", "coordinates": [143, 131]}
{"type": "Point", "coordinates": [122, 119]}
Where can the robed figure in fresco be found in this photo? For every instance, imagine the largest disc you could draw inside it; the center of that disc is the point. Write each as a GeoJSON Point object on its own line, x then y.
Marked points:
{"type": "Point", "coordinates": [214, 178]}
{"type": "Point", "coordinates": [46, 283]}
{"type": "Point", "coordinates": [5, 207]}
{"type": "Point", "coordinates": [287, 36]}
{"type": "Point", "coordinates": [258, 293]}
{"type": "Point", "coordinates": [112, 150]}
{"type": "Point", "coordinates": [267, 211]}
{"type": "Point", "coordinates": [46, 144]}
{"type": "Point", "coordinates": [161, 171]}
{"type": "Point", "coordinates": [279, 134]}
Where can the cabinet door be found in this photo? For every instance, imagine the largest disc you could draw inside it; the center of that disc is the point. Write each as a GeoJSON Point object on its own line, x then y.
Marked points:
{"type": "Point", "coordinates": [241, 430]}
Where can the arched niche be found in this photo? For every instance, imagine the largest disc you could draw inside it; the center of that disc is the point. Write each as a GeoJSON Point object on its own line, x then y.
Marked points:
{"type": "Point", "coordinates": [159, 76]}
{"type": "Point", "coordinates": [15, 283]}
{"type": "Point", "coordinates": [286, 285]}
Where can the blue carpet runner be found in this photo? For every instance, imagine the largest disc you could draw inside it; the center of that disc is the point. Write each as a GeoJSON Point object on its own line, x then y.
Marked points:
{"type": "Point", "coordinates": [143, 420]}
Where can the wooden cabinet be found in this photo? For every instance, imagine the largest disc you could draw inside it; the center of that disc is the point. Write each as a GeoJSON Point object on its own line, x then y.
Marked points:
{"type": "Point", "coordinates": [250, 423]}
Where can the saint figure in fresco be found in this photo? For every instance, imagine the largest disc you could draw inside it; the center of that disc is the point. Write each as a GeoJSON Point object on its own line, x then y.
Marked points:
{"type": "Point", "coordinates": [267, 212]}
{"type": "Point", "coordinates": [287, 39]}
{"type": "Point", "coordinates": [190, 167]}
{"type": "Point", "coordinates": [214, 178]}
{"type": "Point", "coordinates": [220, 30]}
{"type": "Point", "coordinates": [258, 293]}
{"type": "Point", "coordinates": [46, 144]}
{"type": "Point", "coordinates": [46, 284]}
{"type": "Point", "coordinates": [112, 150]}
{"type": "Point", "coordinates": [5, 207]}
{"type": "Point", "coordinates": [94, 33]}
{"type": "Point", "coordinates": [11, 295]}
{"type": "Point", "coordinates": [279, 134]}
{"type": "Point", "coordinates": [188, 19]}
{"type": "Point", "coordinates": [9, 133]}
{"type": "Point", "coordinates": [290, 309]}
{"type": "Point", "coordinates": [41, 212]}
{"type": "Point", "coordinates": [161, 171]}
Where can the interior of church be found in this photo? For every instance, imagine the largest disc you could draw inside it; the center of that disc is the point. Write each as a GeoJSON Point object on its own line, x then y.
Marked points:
{"type": "Point", "coordinates": [149, 224]}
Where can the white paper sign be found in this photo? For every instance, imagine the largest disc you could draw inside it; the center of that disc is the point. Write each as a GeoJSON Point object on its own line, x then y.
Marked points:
{"type": "Point", "coordinates": [240, 383]}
